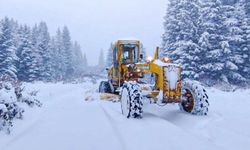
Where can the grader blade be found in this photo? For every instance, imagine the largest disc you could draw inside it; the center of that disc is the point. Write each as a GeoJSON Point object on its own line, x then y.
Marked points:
{"type": "Point", "coordinates": [109, 97]}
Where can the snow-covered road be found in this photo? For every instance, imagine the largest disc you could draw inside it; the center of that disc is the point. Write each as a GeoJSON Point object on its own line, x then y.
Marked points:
{"type": "Point", "coordinates": [67, 122]}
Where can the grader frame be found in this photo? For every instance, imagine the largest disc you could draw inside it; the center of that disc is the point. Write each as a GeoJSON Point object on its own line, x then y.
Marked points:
{"type": "Point", "coordinates": [129, 67]}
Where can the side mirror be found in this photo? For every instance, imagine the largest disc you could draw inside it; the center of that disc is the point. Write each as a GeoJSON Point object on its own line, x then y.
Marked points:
{"type": "Point", "coordinates": [141, 56]}
{"type": "Point", "coordinates": [107, 69]}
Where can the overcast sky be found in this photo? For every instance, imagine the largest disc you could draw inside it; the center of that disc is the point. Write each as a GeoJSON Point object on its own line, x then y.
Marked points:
{"type": "Point", "coordinates": [94, 23]}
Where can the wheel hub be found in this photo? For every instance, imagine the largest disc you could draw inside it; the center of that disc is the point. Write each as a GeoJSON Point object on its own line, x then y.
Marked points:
{"type": "Point", "coordinates": [188, 101]}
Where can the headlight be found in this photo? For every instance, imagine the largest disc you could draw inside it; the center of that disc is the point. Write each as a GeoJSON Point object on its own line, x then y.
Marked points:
{"type": "Point", "coordinates": [166, 60]}
{"type": "Point", "coordinates": [149, 59]}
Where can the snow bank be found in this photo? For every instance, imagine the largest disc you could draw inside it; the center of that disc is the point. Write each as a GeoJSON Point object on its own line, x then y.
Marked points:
{"type": "Point", "coordinates": [7, 94]}
{"type": "Point", "coordinates": [12, 95]}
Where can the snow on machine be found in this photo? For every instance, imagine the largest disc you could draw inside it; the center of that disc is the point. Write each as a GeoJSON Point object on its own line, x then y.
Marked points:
{"type": "Point", "coordinates": [135, 79]}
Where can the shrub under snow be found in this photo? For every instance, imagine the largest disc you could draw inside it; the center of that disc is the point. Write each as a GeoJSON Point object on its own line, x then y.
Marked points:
{"type": "Point", "coordinates": [12, 94]}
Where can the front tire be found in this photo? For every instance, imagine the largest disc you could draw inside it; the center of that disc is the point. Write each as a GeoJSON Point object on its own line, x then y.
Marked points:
{"type": "Point", "coordinates": [105, 87]}
{"type": "Point", "coordinates": [131, 100]}
{"type": "Point", "coordinates": [194, 98]}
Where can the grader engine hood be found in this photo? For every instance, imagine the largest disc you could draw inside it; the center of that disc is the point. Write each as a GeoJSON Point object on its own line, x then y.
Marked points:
{"type": "Point", "coordinates": [169, 80]}
{"type": "Point", "coordinates": [172, 83]}
{"type": "Point", "coordinates": [171, 73]}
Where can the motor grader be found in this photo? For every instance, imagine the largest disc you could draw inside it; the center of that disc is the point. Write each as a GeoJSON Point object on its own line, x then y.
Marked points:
{"type": "Point", "coordinates": [136, 79]}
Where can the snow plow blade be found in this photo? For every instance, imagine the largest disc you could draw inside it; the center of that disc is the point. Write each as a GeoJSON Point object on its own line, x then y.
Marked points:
{"type": "Point", "coordinates": [102, 96]}
{"type": "Point", "coordinates": [109, 97]}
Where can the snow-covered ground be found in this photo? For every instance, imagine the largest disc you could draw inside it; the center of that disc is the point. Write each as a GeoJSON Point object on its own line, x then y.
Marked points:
{"type": "Point", "coordinates": [68, 122]}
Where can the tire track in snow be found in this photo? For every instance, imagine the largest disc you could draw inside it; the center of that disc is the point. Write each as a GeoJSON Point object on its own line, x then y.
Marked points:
{"type": "Point", "coordinates": [208, 135]}
{"type": "Point", "coordinates": [150, 121]}
{"type": "Point", "coordinates": [115, 129]}
{"type": "Point", "coordinates": [167, 122]}
{"type": "Point", "coordinates": [24, 132]}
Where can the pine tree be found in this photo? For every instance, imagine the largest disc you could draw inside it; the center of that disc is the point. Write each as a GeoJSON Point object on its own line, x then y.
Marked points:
{"type": "Point", "coordinates": [54, 59]}
{"type": "Point", "coordinates": [243, 15]}
{"type": "Point", "coordinates": [61, 66]}
{"type": "Point", "coordinates": [34, 35]}
{"type": "Point", "coordinates": [34, 42]}
{"type": "Point", "coordinates": [67, 53]}
{"type": "Point", "coordinates": [15, 34]}
{"type": "Point", "coordinates": [236, 24]}
{"type": "Point", "coordinates": [229, 2]}
{"type": "Point", "coordinates": [85, 61]}
{"type": "Point", "coordinates": [36, 55]}
{"type": "Point", "coordinates": [248, 45]}
{"type": "Point", "coordinates": [181, 31]}
{"type": "Point", "coordinates": [43, 40]}
{"type": "Point", "coordinates": [214, 47]}
{"type": "Point", "coordinates": [27, 69]}
{"type": "Point", "coordinates": [8, 56]}
{"type": "Point", "coordinates": [78, 60]}
{"type": "Point", "coordinates": [109, 57]}
{"type": "Point", "coordinates": [247, 7]}
{"type": "Point", "coordinates": [214, 54]}
{"type": "Point", "coordinates": [101, 62]}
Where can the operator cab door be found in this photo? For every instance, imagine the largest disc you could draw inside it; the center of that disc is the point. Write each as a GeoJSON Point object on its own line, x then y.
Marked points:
{"type": "Point", "coordinates": [130, 53]}
{"type": "Point", "coordinates": [124, 54]}
{"type": "Point", "coordinates": [116, 65]}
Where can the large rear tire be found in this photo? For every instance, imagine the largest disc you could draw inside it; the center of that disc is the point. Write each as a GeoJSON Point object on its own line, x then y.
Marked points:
{"type": "Point", "coordinates": [194, 98]}
{"type": "Point", "coordinates": [105, 87]}
{"type": "Point", "coordinates": [131, 100]}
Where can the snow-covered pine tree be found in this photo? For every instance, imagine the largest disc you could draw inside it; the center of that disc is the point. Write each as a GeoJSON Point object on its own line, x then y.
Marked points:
{"type": "Point", "coordinates": [101, 61]}
{"type": "Point", "coordinates": [67, 53]}
{"type": "Point", "coordinates": [170, 37]}
{"type": "Point", "coordinates": [85, 60]}
{"type": "Point", "coordinates": [226, 52]}
{"type": "Point", "coordinates": [180, 38]}
{"type": "Point", "coordinates": [27, 69]}
{"type": "Point", "coordinates": [1, 27]}
{"type": "Point", "coordinates": [232, 44]}
{"type": "Point", "coordinates": [229, 2]}
{"type": "Point", "coordinates": [212, 42]}
{"type": "Point", "coordinates": [236, 24]}
{"type": "Point", "coordinates": [109, 56]}
{"type": "Point", "coordinates": [43, 40]}
{"type": "Point", "coordinates": [245, 5]}
{"type": "Point", "coordinates": [36, 50]}
{"type": "Point", "coordinates": [248, 8]}
{"type": "Point", "coordinates": [78, 60]}
{"type": "Point", "coordinates": [204, 45]}
{"type": "Point", "coordinates": [54, 59]}
{"type": "Point", "coordinates": [248, 41]}
{"type": "Point", "coordinates": [34, 34]}
{"type": "Point", "coordinates": [61, 66]}
{"type": "Point", "coordinates": [15, 34]}
{"type": "Point", "coordinates": [18, 42]}
{"type": "Point", "coordinates": [41, 44]}
{"type": "Point", "coordinates": [8, 56]}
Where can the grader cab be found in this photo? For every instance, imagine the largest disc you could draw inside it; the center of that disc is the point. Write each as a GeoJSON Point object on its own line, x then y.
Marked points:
{"type": "Point", "coordinates": [137, 79]}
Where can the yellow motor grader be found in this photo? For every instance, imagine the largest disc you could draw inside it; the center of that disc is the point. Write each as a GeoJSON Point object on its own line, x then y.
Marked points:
{"type": "Point", "coordinates": [135, 79]}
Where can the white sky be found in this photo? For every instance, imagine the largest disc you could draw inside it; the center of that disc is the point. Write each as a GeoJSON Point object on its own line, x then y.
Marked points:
{"type": "Point", "coordinates": [94, 23]}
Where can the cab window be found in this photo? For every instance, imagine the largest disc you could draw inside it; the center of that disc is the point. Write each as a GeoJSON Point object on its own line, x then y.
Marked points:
{"type": "Point", "coordinates": [129, 54]}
